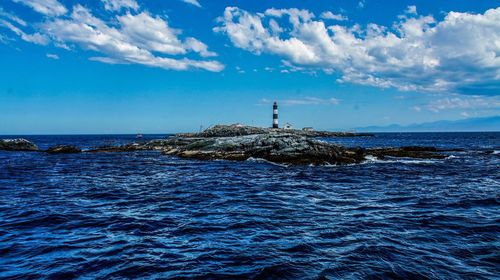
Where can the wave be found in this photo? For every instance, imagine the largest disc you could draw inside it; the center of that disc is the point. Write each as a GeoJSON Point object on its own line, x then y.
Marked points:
{"type": "Point", "coordinates": [372, 159]}
{"type": "Point", "coordinates": [252, 159]}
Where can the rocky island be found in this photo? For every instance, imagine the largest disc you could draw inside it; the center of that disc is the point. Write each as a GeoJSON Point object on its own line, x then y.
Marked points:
{"type": "Point", "coordinates": [236, 142]}
{"type": "Point", "coordinates": [242, 130]}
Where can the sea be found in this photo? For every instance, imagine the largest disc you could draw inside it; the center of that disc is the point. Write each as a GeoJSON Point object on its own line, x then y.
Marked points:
{"type": "Point", "coordinates": [144, 215]}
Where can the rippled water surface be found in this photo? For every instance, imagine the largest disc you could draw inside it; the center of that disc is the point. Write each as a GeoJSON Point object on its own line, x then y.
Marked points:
{"type": "Point", "coordinates": [144, 215]}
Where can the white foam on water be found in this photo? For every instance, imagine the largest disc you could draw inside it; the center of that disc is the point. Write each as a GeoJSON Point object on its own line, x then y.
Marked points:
{"type": "Point", "coordinates": [252, 159]}
{"type": "Point", "coordinates": [417, 161]}
{"type": "Point", "coordinates": [372, 159]}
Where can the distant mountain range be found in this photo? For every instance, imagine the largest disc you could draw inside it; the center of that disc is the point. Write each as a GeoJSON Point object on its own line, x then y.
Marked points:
{"type": "Point", "coordinates": [471, 124]}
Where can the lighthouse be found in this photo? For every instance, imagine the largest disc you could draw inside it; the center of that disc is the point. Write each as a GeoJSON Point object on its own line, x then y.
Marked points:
{"type": "Point", "coordinates": [275, 115]}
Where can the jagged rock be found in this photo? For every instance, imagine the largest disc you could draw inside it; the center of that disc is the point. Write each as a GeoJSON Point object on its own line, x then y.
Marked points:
{"type": "Point", "coordinates": [64, 149]}
{"type": "Point", "coordinates": [242, 130]}
{"type": "Point", "coordinates": [279, 148]}
{"type": "Point", "coordinates": [18, 144]}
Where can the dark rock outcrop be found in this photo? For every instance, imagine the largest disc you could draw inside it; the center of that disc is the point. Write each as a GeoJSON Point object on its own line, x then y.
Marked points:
{"type": "Point", "coordinates": [123, 148]}
{"type": "Point", "coordinates": [18, 144]}
{"type": "Point", "coordinates": [279, 148]}
{"type": "Point", "coordinates": [63, 149]}
{"type": "Point", "coordinates": [419, 148]}
{"type": "Point", "coordinates": [157, 144]}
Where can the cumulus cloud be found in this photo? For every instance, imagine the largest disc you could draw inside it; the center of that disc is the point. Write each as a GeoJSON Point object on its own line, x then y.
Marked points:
{"type": "Point", "coordinates": [46, 7]}
{"type": "Point", "coordinates": [308, 100]}
{"type": "Point", "coordinates": [117, 5]}
{"type": "Point", "coordinates": [192, 2]}
{"type": "Point", "coordinates": [332, 16]}
{"type": "Point", "coordinates": [458, 54]}
{"type": "Point", "coordinates": [148, 32]}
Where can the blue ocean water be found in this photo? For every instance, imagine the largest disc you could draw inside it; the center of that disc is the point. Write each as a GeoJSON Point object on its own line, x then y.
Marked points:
{"type": "Point", "coordinates": [145, 215]}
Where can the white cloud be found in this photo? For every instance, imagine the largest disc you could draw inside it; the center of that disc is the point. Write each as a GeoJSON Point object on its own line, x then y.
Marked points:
{"type": "Point", "coordinates": [52, 56]}
{"type": "Point", "coordinates": [9, 21]}
{"type": "Point", "coordinates": [275, 27]}
{"type": "Point", "coordinates": [304, 101]}
{"type": "Point", "coordinates": [458, 54]}
{"type": "Point", "coordinates": [3, 39]}
{"type": "Point", "coordinates": [117, 5]}
{"type": "Point", "coordinates": [241, 71]}
{"type": "Point", "coordinates": [192, 2]}
{"type": "Point", "coordinates": [46, 7]}
{"type": "Point", "coordinates": [11, 17]}
{"type": "Point", "coordinates": [35, 38]}
{"type": "Point", "coordinates": [134, 39]}
{"type": "Point", "coordinates": [150, 33]}
{"type": "Point", "coordinates": [469, 102]}
{"type": "Point", "coordinates": [198, 46]}
{"type": "Point", "coordinates": [128, 38]}
{"type": "Point", "coordinates": [332, 16]}
{"type": "Point", "coordinates": [411, 10]}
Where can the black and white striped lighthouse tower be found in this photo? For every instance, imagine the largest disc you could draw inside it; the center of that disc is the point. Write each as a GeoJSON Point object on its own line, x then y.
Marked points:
{"type": "Point", "coordinates": [275, 115]}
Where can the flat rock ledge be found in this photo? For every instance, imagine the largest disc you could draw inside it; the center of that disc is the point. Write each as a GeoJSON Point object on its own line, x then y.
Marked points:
{"type": "Point", "coordinates": [18, 144]}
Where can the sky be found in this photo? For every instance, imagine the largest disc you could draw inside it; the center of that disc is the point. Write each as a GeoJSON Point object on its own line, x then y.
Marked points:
{"type": "Point", "coordinates": [164, 66]}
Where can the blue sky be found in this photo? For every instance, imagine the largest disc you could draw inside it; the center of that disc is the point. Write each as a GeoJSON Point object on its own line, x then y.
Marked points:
{"type": "Point", "coordinates": [151, 66]}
